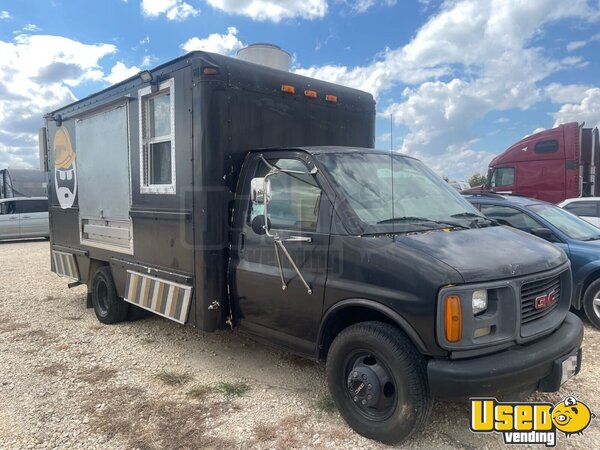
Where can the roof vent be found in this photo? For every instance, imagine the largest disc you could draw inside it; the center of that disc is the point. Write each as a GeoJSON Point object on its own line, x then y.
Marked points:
{"type": "Point", "coordinates": [267, 55]}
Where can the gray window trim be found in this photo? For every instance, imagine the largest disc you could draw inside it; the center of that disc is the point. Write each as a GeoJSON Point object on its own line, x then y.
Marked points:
{"type": "Point", "coordinates": [143, 95]}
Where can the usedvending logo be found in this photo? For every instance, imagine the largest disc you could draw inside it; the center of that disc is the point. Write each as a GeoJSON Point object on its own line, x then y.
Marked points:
{"type": "Point", "coordinates": [530, 422]}
{"type": "Point", "coordinates": [65, 171]}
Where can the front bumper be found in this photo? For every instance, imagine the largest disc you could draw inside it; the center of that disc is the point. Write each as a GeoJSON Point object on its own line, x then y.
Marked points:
{"type": "Point", "coordinates": [536, 365]}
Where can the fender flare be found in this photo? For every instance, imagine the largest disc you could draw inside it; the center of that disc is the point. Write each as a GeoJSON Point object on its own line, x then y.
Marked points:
{"type": "Point", "coordinates": [583, 275]}
{"type": "Point", "coordinates": [400, 321]}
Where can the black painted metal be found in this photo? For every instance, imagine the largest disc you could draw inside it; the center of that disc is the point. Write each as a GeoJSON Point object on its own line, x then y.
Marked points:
{"type": "Point", "coordinates": [218, 118]}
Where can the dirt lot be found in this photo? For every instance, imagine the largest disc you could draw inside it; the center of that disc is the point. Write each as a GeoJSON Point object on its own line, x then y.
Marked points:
{"type": "Point", "coordinates": [66, 381]}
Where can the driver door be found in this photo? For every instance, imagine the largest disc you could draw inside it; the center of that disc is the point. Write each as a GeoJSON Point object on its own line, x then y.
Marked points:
{"type": "Point", "coordinates": [300, 215]}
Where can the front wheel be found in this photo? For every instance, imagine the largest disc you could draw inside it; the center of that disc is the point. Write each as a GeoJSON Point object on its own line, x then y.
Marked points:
{"type": "Point", "coordinates": [591, 303]}
{"type": "Point", "coordinates": [378, 381]}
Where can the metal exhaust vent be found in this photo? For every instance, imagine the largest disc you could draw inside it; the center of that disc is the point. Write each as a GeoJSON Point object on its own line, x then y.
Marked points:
{"type": "Point", "coordinates": [269, 55]}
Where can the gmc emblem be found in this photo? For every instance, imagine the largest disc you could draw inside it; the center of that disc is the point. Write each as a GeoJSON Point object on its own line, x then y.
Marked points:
{"type": "Point", "coordinates": [543, 301]}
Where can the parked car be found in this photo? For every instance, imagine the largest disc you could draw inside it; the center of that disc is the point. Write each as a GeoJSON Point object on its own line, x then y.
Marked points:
{"type": "Point", "coordinates": [23, 217]}
{"type": "Point", "coordinates": [588, 208]}
{"type": "Point", "coordinates": [459, 185]}
{"type": "Point", "coordinates": [579, 239]}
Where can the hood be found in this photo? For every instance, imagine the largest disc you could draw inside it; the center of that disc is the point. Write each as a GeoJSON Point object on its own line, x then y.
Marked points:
{"type": "Point", "coordinates": [485, 254]}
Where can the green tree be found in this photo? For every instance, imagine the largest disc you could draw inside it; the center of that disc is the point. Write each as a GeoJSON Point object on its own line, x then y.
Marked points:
{"type": "Point", "coordinates": [477, 179]}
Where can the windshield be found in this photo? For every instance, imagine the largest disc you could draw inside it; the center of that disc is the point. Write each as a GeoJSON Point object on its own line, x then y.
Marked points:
{"type": "Point", "coordinates": [571, 225]}
{"type": "Point", "coordinates": [419, 194]}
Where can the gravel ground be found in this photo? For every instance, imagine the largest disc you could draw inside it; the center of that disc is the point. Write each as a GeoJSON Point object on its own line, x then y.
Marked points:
{"type": "Point", "coordinates": [66, 381]}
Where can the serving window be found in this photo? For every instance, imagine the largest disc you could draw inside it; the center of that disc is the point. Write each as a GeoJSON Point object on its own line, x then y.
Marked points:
{"type": "Point", "coordinates": [157, 139]}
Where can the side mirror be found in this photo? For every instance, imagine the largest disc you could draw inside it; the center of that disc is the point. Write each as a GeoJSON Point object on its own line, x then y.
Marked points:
{"type": "Point", "coordinates": [260, 190]}
{"type": "Point", "coordinates": [258, 224]}
{"type": "Point", "coordinates": [543, 233]}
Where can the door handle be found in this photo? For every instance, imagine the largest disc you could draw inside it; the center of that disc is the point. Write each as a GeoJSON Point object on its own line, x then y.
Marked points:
{"type": "Point", "coordinates": [242, 244]}
{"type": "Point", "coordinates": [298, 239]}
{"type": "Point", "coordinates": [13, 218]}
{"type": "Point", "coordinates": [25, 217]}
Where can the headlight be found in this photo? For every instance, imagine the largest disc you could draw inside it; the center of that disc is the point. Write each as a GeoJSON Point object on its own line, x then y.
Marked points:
{"type": "Point", "coordinates": [479, 301]}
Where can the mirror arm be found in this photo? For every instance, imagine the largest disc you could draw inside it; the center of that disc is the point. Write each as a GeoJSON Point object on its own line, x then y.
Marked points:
{"type": "Point", "coordinates": [272, 172]}
{"type": "Point", "coordinates": [279, 243]}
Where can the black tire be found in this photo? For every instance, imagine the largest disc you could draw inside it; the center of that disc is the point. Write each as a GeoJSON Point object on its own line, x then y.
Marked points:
{"type": "Point", "coordinates": [592, 311]}
{"type": "Point", "coordinates": [394, 411]}
{"type": "Point", "coordinates": [108, 306]}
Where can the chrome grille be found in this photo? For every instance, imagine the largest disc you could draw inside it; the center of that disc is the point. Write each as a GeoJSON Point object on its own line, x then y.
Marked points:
{"type": "Point", "coordinates": [534, 289]}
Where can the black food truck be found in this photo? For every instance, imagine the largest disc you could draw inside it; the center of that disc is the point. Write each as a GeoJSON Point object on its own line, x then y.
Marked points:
{"type": "Point", "coordinates": [221, 193]}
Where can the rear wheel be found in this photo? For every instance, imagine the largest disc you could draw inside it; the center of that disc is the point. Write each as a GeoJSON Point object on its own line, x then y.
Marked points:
{"type": "Point", "coordinates": [108, 306]}
{"type": "Point", "coordinates": [378, 381]}
{"type": "Point", "coordinates": [591, 303]}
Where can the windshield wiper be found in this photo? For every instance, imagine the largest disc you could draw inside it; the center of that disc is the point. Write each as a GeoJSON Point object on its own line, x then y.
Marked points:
{"type": "Point", "coordinates": [592, 238]}
{"type": "Point", "coordinates": [475, 217]}
{"type": "Point", "coordinates": [421, 219]}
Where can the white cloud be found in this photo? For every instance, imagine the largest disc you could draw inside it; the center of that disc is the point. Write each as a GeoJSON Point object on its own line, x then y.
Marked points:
{"type": "Point", "coordinates": [120, 72]}
{"type": "Point", "coordinates": [361, 6]}
{"type": "Point", "coordinates": [148, 60]}
{"type": "Point", "coordinates": [273, 10]}
{"type": "Point", "coordinates": [225, 44]}
{"type": "Point", "coordinates": [587, 110]}
{"type": "Point", "coordinates": [574, 45]}
{"type": "Point", "coordinates": [566, 93]}
{"type": "Point", "coordinates": [5, 15]}
{"type": "Point", "coordinates": [470, 58]}
{"type": "Point", "coordinates": [31, 28]}
{"type": "Point", "coordinates": [36, 76]}
{"type": "Point", "coordinates": [177, 10]}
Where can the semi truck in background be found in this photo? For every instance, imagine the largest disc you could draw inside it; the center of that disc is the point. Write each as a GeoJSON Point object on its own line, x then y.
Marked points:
{"type": "Point", "coordinates": [220, 193]}
{"type": "Point", "coordinates": [552, 165]}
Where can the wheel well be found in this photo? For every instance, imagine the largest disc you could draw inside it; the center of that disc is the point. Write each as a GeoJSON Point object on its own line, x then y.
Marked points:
{"type": "Point", "coordinates": [589, 279]}
{"type": "Point", "coordinates": [95, 264]}
{"type": "Point", "coordinates": [345, 317]}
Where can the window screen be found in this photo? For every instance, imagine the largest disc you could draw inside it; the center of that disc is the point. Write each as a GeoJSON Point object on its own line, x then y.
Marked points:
{"type": "Point", "coordinates": [157, 137]}
{"type": "Point", "coordinates": [588, 209]}
{"type": "Point", "coordinates": [550, 146]}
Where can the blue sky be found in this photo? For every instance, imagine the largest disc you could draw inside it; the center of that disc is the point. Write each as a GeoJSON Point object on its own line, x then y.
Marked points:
{"type": "Point", "coordinates": [461, 79]}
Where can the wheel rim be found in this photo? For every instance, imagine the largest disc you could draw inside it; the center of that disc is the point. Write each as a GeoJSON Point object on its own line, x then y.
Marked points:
{"type": "Point", "coordinates": [370, 386]}
{"type": "Point", "coordinates": [102, 296]}
{"type": "Point", "coordinates": [596, 304]}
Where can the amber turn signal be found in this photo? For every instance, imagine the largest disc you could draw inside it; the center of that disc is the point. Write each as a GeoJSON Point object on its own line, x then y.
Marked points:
{"type": "Point", "coordinates": [288, 89]}
{"type": "Point", "coordinates": [210, 71]}
{"type": "Point", "coordinates": [453, 318]}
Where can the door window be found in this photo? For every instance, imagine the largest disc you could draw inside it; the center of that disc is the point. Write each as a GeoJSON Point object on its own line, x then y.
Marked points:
{"type": "Point", "coordinates": [510, 216]}
{"type": "Point", "coordinates": [32, 206]}
{"type": "Point", "coordinates": [8, 208]}
{"type": "Point", "coordinates": [588, 209]}
{"type": "Point", "coordinates": [295, 197]}
{"type": "Point", "coordinates": [503, 176]}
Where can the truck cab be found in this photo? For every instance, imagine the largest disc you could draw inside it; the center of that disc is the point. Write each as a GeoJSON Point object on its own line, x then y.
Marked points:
{"type": "Point", "coordinates": [373, 263]}
{"type": "Point", "coordinates": [551, 165]}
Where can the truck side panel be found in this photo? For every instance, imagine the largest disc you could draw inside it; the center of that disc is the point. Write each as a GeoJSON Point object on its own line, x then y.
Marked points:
{"type": "Point", "coordinates": [248, 110]}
